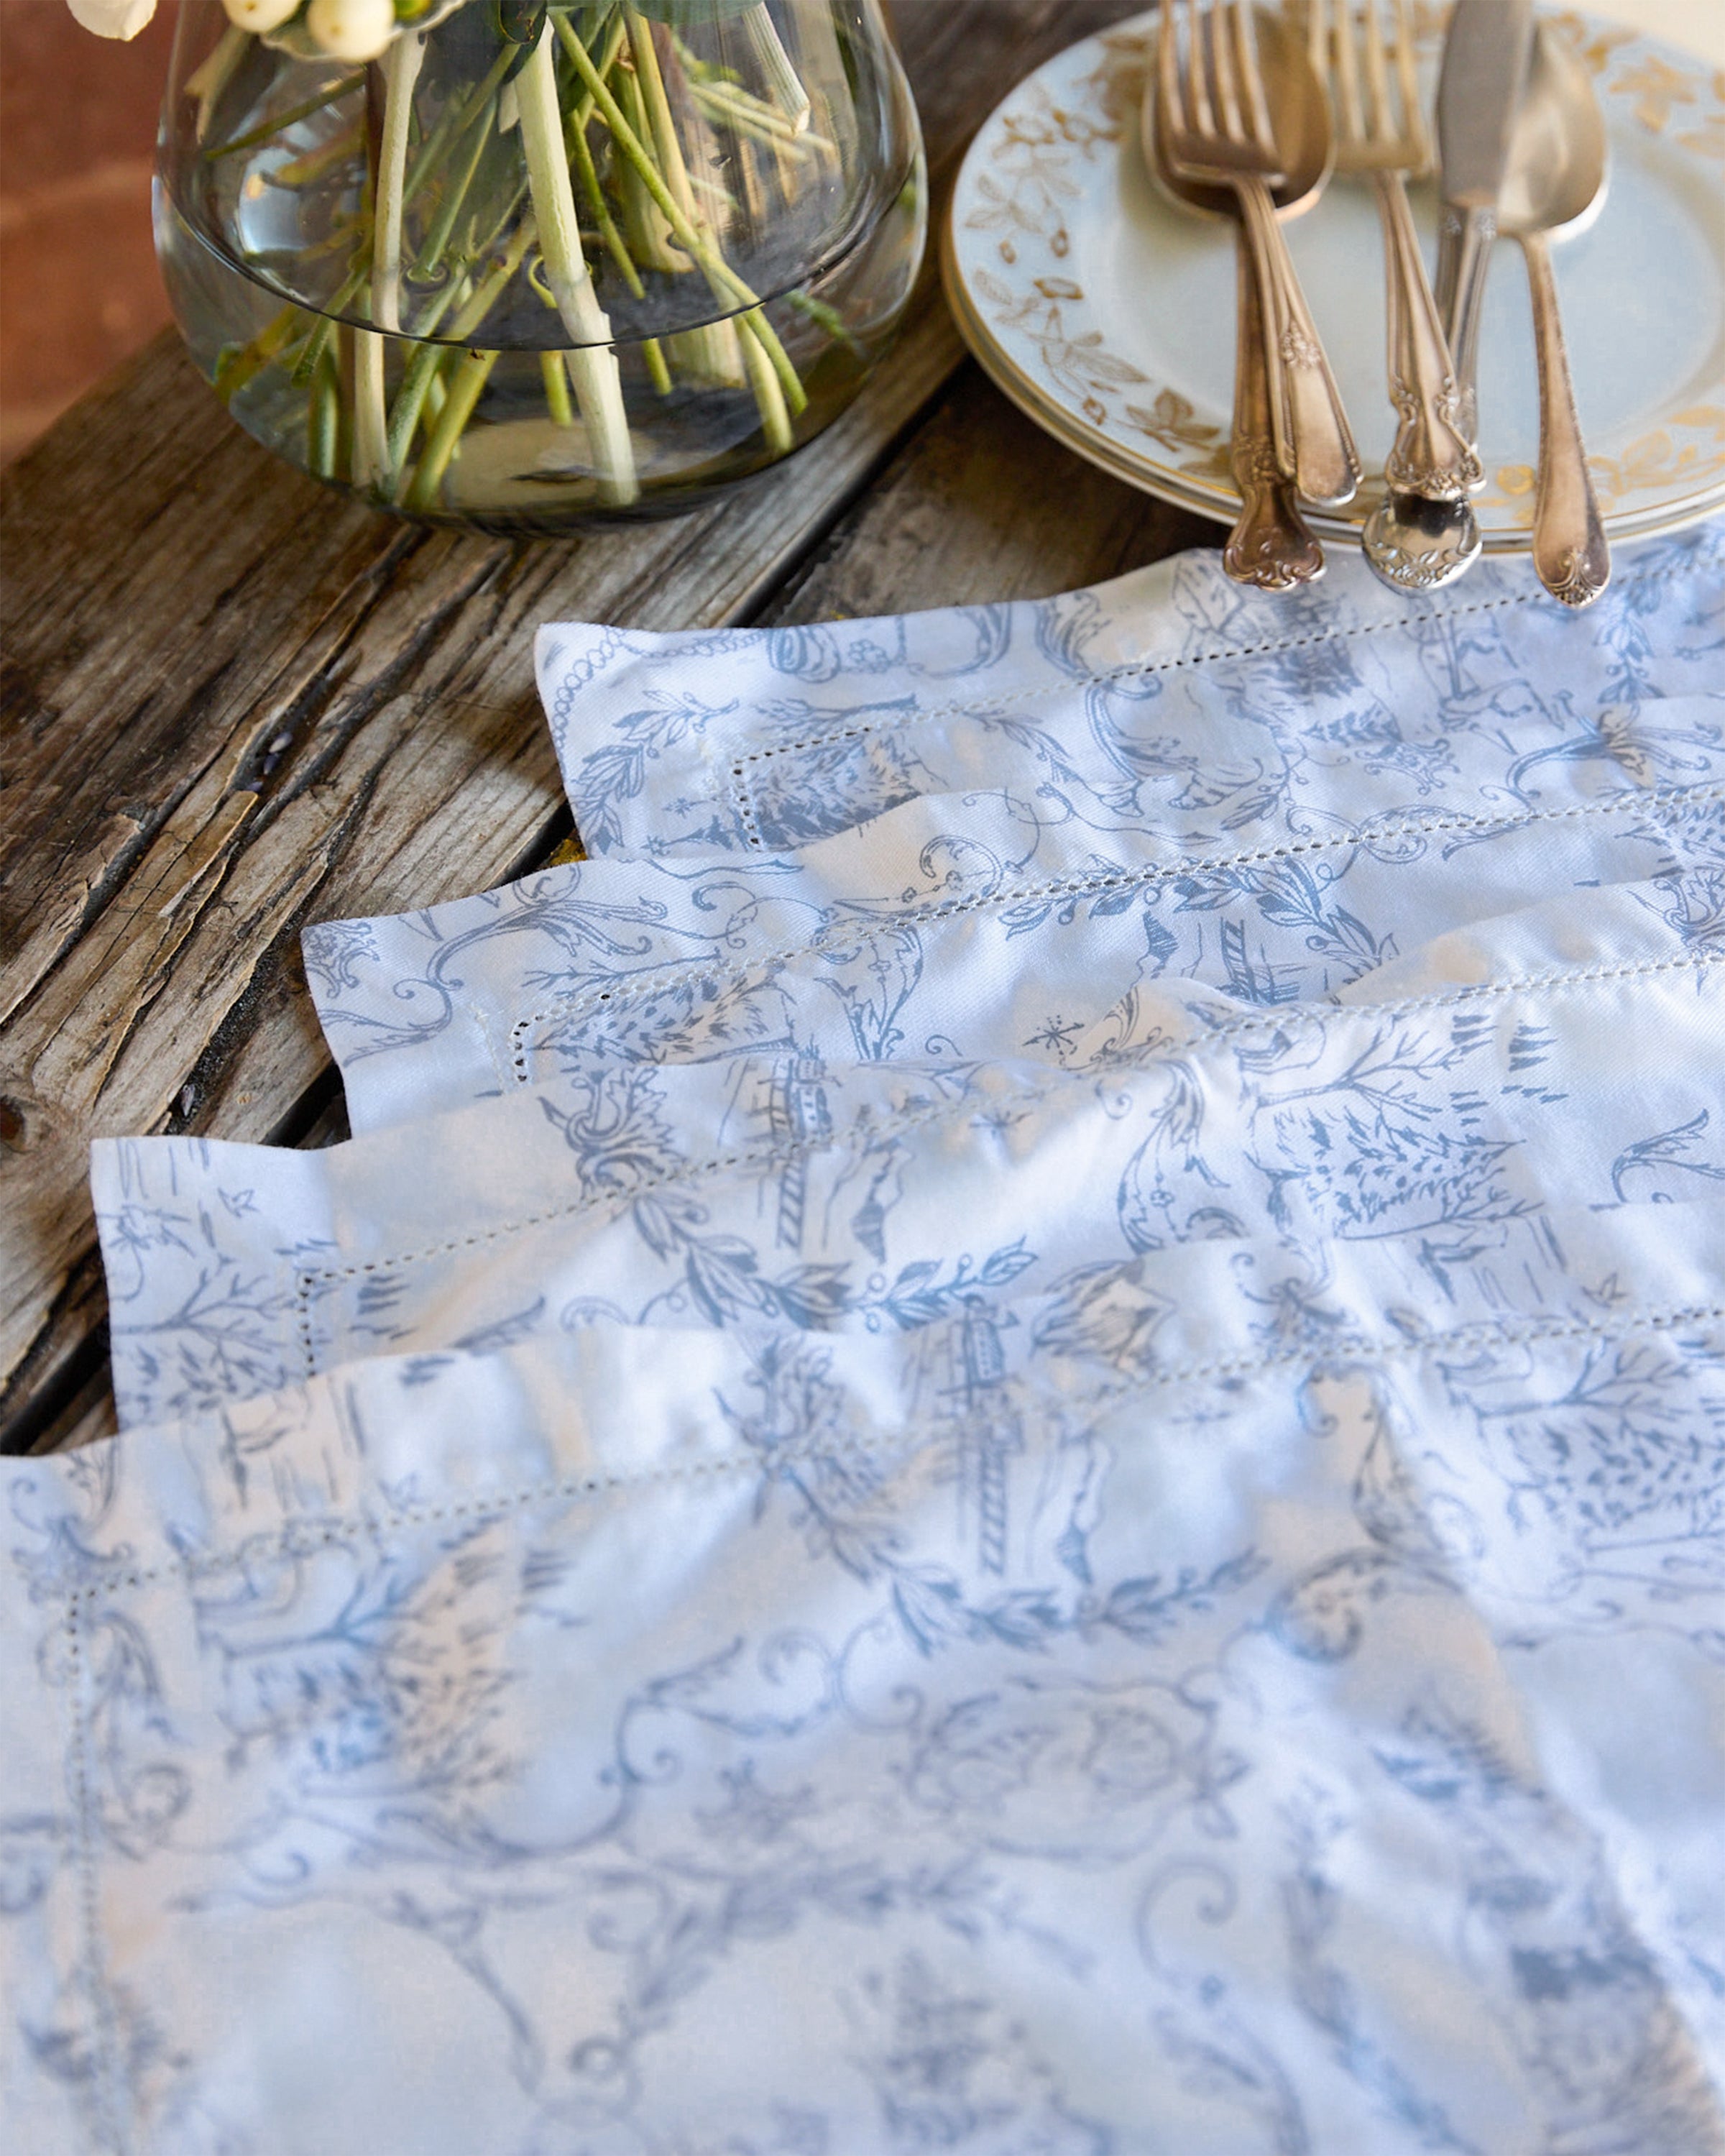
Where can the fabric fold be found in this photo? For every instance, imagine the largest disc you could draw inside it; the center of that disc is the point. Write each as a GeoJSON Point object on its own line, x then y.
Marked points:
{"type": "Point", "coordinates": [849, 1195]}
{"type": "Point", "coordinates": [1136, 700]}
{"type": "Point", "coordinates": [1046, 1477]}
{"type": "Point", "coordinates": [962, 928]}
{"type": "Point", "coordinates": [1114, 1711]}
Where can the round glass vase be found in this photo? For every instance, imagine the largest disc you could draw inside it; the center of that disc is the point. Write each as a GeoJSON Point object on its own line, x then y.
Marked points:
{"type": "Point", "coordinates": [529, 265]}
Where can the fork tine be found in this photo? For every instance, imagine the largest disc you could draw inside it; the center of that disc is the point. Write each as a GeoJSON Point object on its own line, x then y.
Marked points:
{"type": "Point", "coordinates": [1198, 93]}
{"type": "Point", "coordinates": [1383, 120]}
{"type": "Point", "coordinates": [1217, 22]}
{"type": "Point", "coordinates": [1263, 128]}
{"type": "Point", "coordinates": [1347, 76]}
{"type": "Point", "coordinates": [1413, 117]}
{"type": "Point", "coordinates": [1170, 112]}
{"type": "Point", "coordinates": [1317, 37]}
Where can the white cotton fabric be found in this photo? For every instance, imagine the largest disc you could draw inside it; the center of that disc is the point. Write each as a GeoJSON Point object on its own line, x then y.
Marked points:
{"type": "Point", "coordinates": [1278, 1704]}
{"type": "Point", "coordinates": [1538, 1062]}
{"type": "Point", "coordinates": [966, 926]}
{"type": "Point", "coordinates": [1047, 1479]}
{"type": "Point", "coordinates": [1166, 692]}
{"type": "Point", "coordinates": [1181, 780]}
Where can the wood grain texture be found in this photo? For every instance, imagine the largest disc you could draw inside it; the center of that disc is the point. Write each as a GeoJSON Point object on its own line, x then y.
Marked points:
{"type": "Point", "coordinates": [234, 704]}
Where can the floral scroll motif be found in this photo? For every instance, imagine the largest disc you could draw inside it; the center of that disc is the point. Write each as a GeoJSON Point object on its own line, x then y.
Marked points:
{"type": "Point", "coordinates": [1660, 460]}
{"type": "Point", "coordinates": [1038, 181]}
{"type": "Point", "coordinates": [1024, 197]}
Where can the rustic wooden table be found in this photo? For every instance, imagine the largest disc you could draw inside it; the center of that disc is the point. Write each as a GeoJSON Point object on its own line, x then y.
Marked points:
{"type": "Point", "coordinates": [234, 705]}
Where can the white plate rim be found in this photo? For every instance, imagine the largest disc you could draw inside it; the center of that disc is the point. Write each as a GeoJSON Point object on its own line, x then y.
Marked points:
{"type": "Point", "coordinates": [1209, 492]}
{"type": "Point", "coordinates": [1166, 486]}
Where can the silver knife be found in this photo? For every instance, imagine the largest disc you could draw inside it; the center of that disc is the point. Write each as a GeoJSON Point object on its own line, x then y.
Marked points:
{"type": "Point", "coordinates": [1485, 71]}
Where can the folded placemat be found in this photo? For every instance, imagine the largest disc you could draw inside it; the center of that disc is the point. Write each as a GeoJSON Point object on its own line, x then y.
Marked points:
{"type": "Point", "coordinates": [1161, 691]}
{"type": "Point", "coordinates": [1271, 1703]}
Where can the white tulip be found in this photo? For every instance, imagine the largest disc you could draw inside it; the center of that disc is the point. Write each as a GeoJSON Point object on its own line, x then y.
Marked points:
{"type": "Point", "coordinates": [259, 15]}
{"type": "Point", "coordinates": [351, 29]}
{"type": "Point", "coordinates": [113, 18]}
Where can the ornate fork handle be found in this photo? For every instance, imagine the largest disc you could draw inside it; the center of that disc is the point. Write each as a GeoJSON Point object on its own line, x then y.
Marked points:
{"type": "Point", "coordinates": [1312, 437]}
{"type": "Point", "coordinates": [1432, 456]}
{"type": "Point", "coordinates": [1270, 546]}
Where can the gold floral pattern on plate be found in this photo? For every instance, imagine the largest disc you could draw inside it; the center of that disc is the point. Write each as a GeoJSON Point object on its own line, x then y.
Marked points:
{"type": "Point", "coordinates": [1042, 165]}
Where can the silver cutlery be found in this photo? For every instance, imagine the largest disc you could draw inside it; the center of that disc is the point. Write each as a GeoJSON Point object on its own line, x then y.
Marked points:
{"type": "Point", "coordinates": [1553, 187]}
{"type": "Point", "coordinates": [1270, 546]}
{"type": "Point", "coordinates": [1381, 134]}
{"type": "Point", "coordinates": [1415, 544]}
{"type": "Point", "coordinates": [1223, 121]}
{"type": "Point", "coordinates": [1480, 85]}
{"type": "Point", "coordinates": [1414, 540]}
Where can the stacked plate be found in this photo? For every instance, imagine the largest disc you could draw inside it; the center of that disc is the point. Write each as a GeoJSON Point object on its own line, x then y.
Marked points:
{"type": "Point", "coordinates": [1106, 314]}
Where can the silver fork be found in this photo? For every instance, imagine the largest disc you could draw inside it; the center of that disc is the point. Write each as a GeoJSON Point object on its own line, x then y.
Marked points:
{"type": "Point", "coordinates": [1381, 132]}
{"type": "Point", "coordinates": [1217, 123]}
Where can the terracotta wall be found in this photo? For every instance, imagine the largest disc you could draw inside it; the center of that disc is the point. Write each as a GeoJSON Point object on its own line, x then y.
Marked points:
{"type": "Point", "coordinates": [78, 284]}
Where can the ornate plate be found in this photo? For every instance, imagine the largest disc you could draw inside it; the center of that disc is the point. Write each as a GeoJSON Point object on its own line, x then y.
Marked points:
{"type": "Point", "coordinates": [1107, 314]}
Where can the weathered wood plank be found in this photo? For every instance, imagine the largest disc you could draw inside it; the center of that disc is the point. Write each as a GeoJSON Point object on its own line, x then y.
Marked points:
{"type": "Point", "coordinates": [980, 506]}
{"type": "Point", "coordinates": [234, 704]}
{"type": "Point", "coordinates": [396, 711]}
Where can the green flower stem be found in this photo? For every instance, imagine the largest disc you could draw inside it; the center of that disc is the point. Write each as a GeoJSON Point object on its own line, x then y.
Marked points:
{"type": "Point", "coordinates": [648, 73]}
{"type": "Point", "coordinates": [347, 235]}
{"type": "Point", "coordinates": [290, 118]}
{"type": "Point", "coordinates": [400, 68]}
{"type": "Point", "coordinates": [747, 115]}
{"type": "Point", "coordinates": [302, 171]}
{"type": "Point", "coordinates": [647, 227]}
{"type": "Point", "coordinates": [409, 405]}
{"type": "Point", "coordinates": [416, 383]}
{"type": "Point", "coordinates": [402, 63]}
{"type": "Point", "coordinates": [782, 80]}
{"type": "Point", "coordinates": [612, 23]}
{"type": "Point", "coordinates": [456, 192]}
{"type": "Point", "coordinates": [611, 238]}
{"type": "Point", "coordinates": [593, 365]}
{"type": "Point", "coordinates": [556, 377]}
{"type": "Point", "coordinates": [370, 431]}
{"type": "Point", "coordinates": [409, 402]}
{"type": "Point", "coordinates": [615, 30]}
{"type": "Point", "coordinates": [769, 392]}
{"type": "Point", "coordinates": [721, 90]}
{"type": "Point", "coordinates": [323, 417]}
{"type": "Point", "coordinates": [278, 334]}
{"type": "Point", "coordinates": [346, 294]}
{"type": "Point", "coordinates": [719, 273]}
{"type": "Point", "coordinates": [305, 367]}
{"type": "Point", "coordinates": [466, 383]}
{"type": "Point", "coordinates": [830, 320]}
{"type": "Point", "coordinates": [421, 371]}
{"type": "Point", "coordinates": [713, 353]}
{"type": "Point", "coordinates": [212, 76]}
{"type": "Point", "coordinates": [428, 159]}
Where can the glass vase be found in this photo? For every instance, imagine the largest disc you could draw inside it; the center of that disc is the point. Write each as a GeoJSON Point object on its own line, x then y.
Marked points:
{"type": "Point", "coordinates": [520, 265]}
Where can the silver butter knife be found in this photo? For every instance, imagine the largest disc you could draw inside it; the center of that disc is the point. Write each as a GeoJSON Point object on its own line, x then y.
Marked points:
{"type": "Point", "coordinates": [1479, 86]}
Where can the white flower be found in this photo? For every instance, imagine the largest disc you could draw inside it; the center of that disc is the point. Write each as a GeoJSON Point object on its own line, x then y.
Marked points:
{"type": "Point", "coordinates": [113, 18]}
{"type": "Point", "coordinates": [259, 15]}
{"type": "Point", "coordinates": [351, 29]}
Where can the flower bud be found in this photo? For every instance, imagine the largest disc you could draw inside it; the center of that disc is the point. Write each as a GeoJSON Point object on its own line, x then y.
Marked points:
{"type": "Point", "coordinates": [258, 16]}
{"type": "Point", "coordinates": [351, 29]}
{"type": "Point", "coordinates": [112, 18]}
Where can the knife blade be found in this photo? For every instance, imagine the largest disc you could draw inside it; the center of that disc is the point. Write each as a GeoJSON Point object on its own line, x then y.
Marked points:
{"type": "Point", "coordinates": [1480, 87]}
